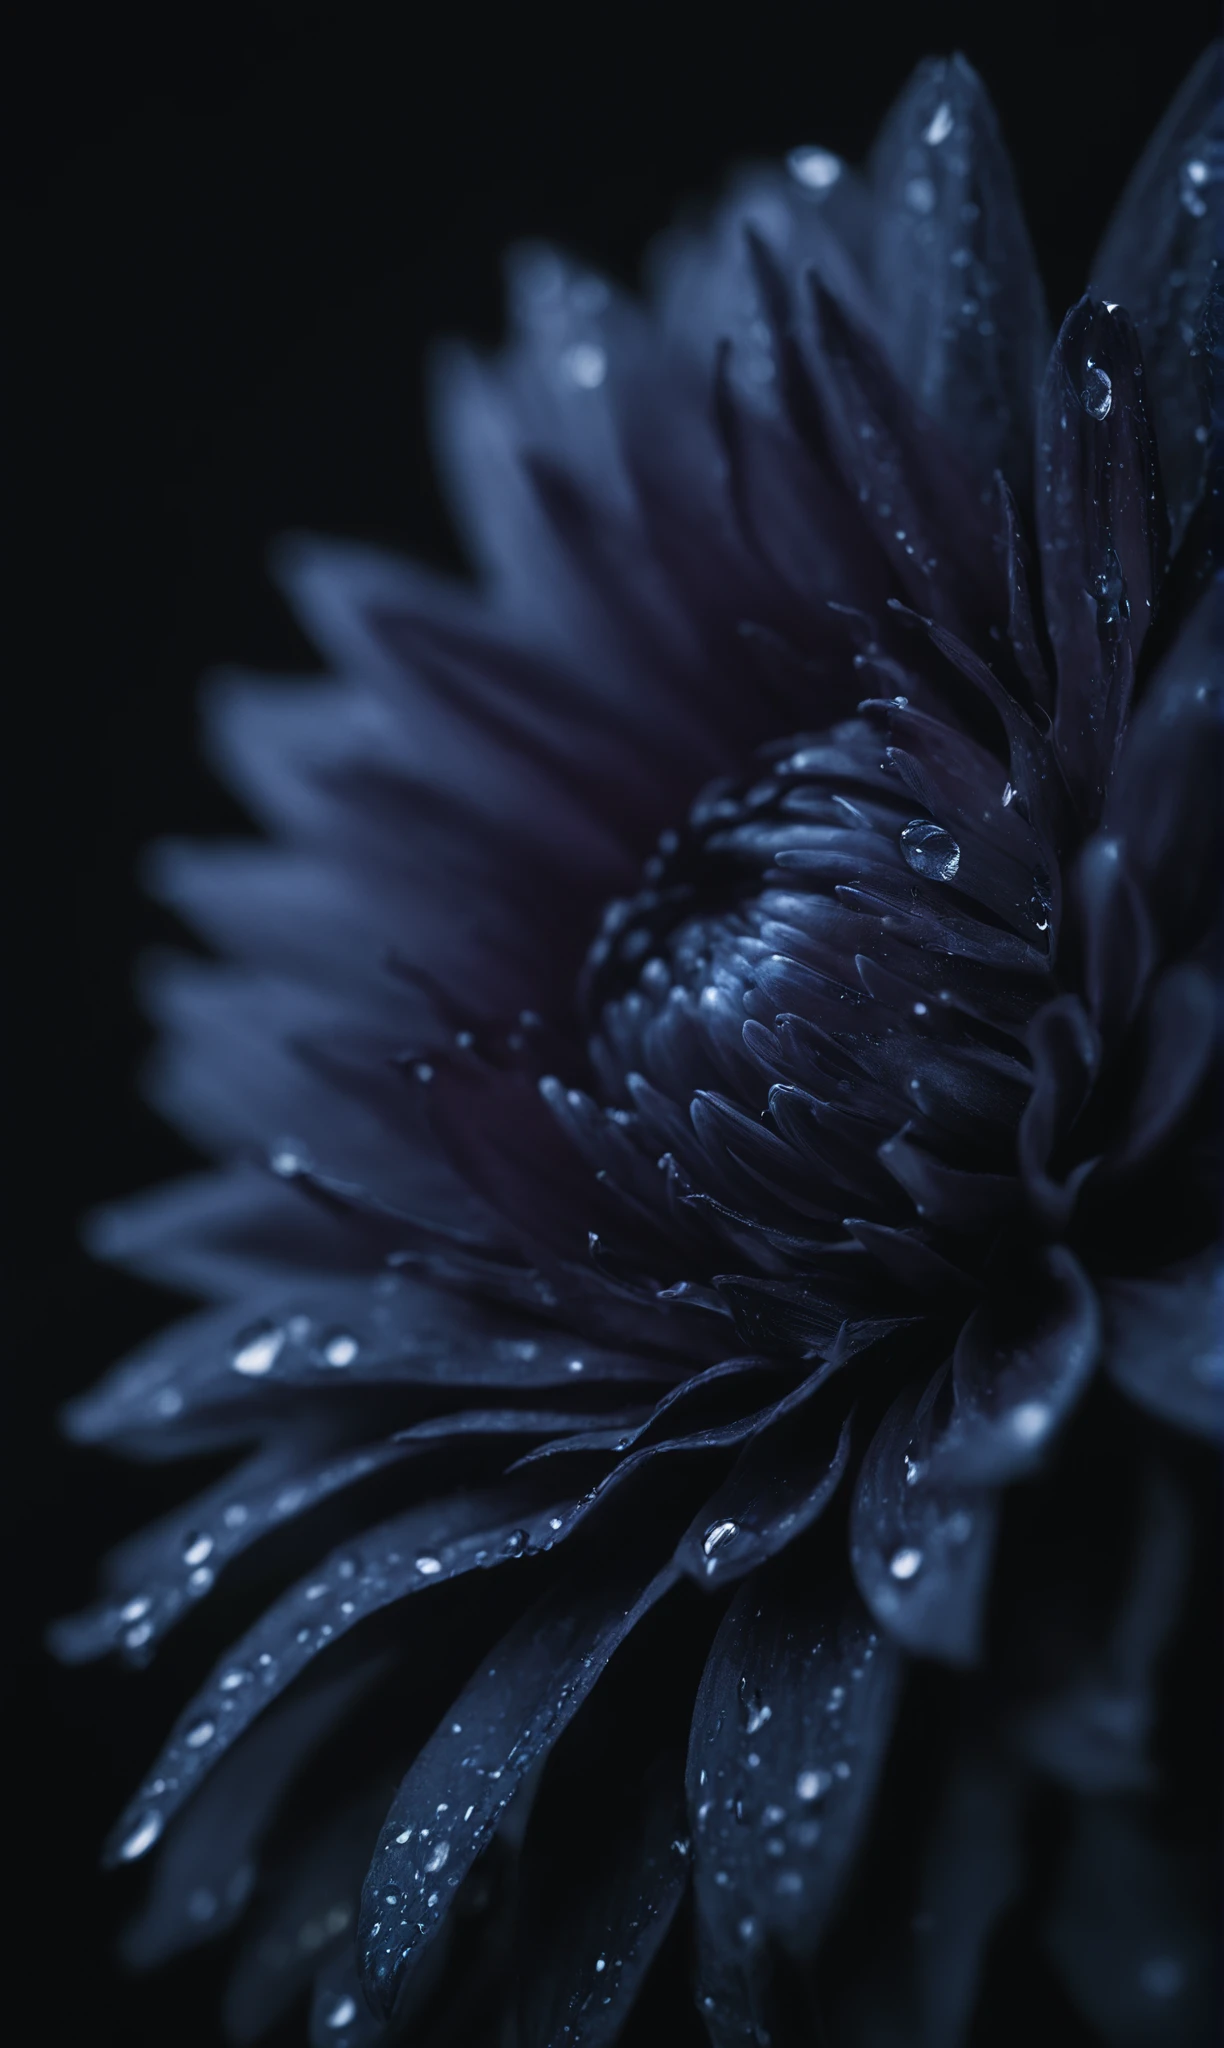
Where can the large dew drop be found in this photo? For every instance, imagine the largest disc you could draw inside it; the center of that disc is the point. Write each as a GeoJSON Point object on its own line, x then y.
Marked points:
{"type": "Point", "coordinates": [928, 850]}
{"type": "Point", "coordinates": [1097, 394]}
{"type": "Point", "coordinates": [257, 1350]}
{"type": "Point", "coordinates": [717, 1534]}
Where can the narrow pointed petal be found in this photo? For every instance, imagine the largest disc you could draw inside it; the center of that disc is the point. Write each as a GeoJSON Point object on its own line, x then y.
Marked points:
{"type": "Point", "coordinates": [1156, 260]}
{"type": "Point", "coordinates": [789, 1732]}
{"type": "Point", "coordinates": [1164, 1343]}
{"type": "Point", "coordinates": [413, 1554]}
{"type": "Point", "coordinates": [954, 270]}
{"type": "Point", "coordinates": [921, 1548]}
{"type": "Point", "coordinates": [1102, 527]}
{"type": "Point", "coordinates": [591, 1946]}
{"type": "Point", "coordinates": [508, 1717]}
{"type": "Point", "coordinates": [783, 1479]}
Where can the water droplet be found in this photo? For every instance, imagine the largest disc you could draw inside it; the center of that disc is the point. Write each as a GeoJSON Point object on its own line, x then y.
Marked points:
{"type": "Point", "coordinates": [913, 1470]}
{"type": "Point", "coordinates": [1097, 394]}
{"type": "Point", "coordinates": [747, 1928]}
{"type": "Point", "coordinates": [196, 1548]}
{"type": "Point", "coordinates": [231, 1680]}
{"type": "Point", "coordinates": [515, 1543]}
{"type": "Point", "coordinates": [200, 1579]}
{"type": "Point", "coordinates": [1194, 175]}
{"type": "Point", "coordinates": [756, 1712]}
{"type": "Point", "coordinates": [142, 1837]}
{"type": "Point", "coordinates": [423, 1071]}
{"type": "Point", "coordinates": [135, 1610]}
{"type": "Point", "coordinates": [203, 1732]}
{"type": "Point", "coordinates": [939, 126]}
{"type": "Point", "coordinates": [1030, 1421]}
{"type": "Point", "coordinates": [920, 195]}
{"type": "Point", "coordinates": [717, 1535]}
{"type": "Point", "coordinates": [137, 1637]}
{"type": "Point", "coordinates": [928, 850]}
{"type": "Point", "coordinates": [585, 364]}
{"type": "Point", "coordinates": [601, 1963]}
{"type": "Point", "coordinates": [438, 1857]}
{"type": "Point", "coordinates": [1008, 795]}
{"type": "Point", "coordinates": [1162, 1976]}
{"type": "Point", "coordinates": [343, 2012]}
{"type": "Point", "coordinates": [905, 1563]}
{"type": "Point", "coordinates": [257, 1350]}
{"type": "Point", "coordinates": [235, 1515]}
{"type": "Point", "coordinates": [575, 1365]}
{"type": "Point", "coordinates": [429, 1567]}
{"type": "Point", "coordinates": [815, 169]}
{"type": "Point", "coordinates": [812, 1784]}
{"type": "Point", "coordinates": [340, 1349]}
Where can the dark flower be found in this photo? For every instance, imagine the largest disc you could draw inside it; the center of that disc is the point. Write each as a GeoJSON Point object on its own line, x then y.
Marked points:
{"type": "Point", "coordinates": [716, 1249]}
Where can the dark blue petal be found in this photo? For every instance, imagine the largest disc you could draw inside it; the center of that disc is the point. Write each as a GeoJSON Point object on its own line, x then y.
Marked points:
{"type": "Point", "coordinates": [1165, 801]}
{"type": "Point", "coordinates": [921, 1547]}
{"type": "Point", "coordinates": [1022, 1362]}
{"type": "Point", "coordinates": [1164, 1343]}
{"type": "Point", "coordinates": [1094, 1734]}
{"type": "Point", "coordinates": [1102, 528]}
{"type": "Point", "coordinates": [1066, 1055]}
{"type": "Point", "coordinates": [785, 1476]}
{"type": "Point", "coordinates": [1156, 260]}
{"type": "Point", "coordinates": [594, 1936]}
{"type": "Point", "coordinates": [205, 1874]}
{"type": "Point", "coordinates": [307, 1914]}
{"type": "Point", "coordinates": [1132, 1930]}
{"type": "Point", "coordinates": [954, 270]}
{"type": "Point", "coordinates": [419, 1550]}
{"type": "Point", "coordinates": [790, 1729]}
{"type": "Point", "coordinates": [508, 1717]}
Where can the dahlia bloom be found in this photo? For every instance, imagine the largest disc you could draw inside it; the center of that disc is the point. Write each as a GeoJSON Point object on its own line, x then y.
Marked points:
{"type": "Point", "coordinates": [713, 1260]}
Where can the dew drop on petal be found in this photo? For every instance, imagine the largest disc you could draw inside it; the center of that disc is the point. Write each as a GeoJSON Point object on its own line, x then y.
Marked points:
{"type": "Point", "coordinates": [203, 1732]}
{"type": "Point", "coordinates": [142, 1837]}
{"type": "Point", "coordinates": [717, 1535]}
{"type": "Point", "coordinates": [196, 1548]}
{"type": "Point", "coordinates": [135, 1610]}
{"type": "Point", "coordinates": [817, 170]}
{"type": "Point", "coordinates": [429, 1567]}
{"type": "Point", "coordinates": [340, 1349]}
{"type": "Point", "coordinates": [342, 2013]}
{"type": "Point", "coordinates": [928, 850]}
{"type": "Point", "coordinates": [905, 1563]}
{"type": "Point", "coordinates": [257, 1350]}
{"type": "Point", "coordinates": [585, 364]}
{"type": "Point", "coordinates": [940, 125]}
{"type": "Point", "coordinates": [1097, 394]}
{"type": "Point", "coordinates": [920, 195]}
{"type": "Point", "coordinates": [1030, 1421]}
{"type": "Point", "coordinates": [812, 1784]}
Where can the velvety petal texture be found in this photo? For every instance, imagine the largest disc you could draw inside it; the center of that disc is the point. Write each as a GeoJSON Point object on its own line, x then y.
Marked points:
{"type": "Point", "coordinates": [710, 1276]}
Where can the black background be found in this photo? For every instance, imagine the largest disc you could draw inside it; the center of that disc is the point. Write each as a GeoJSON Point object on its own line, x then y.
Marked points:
{"type": "Point", "coordinates": [235, 234]}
